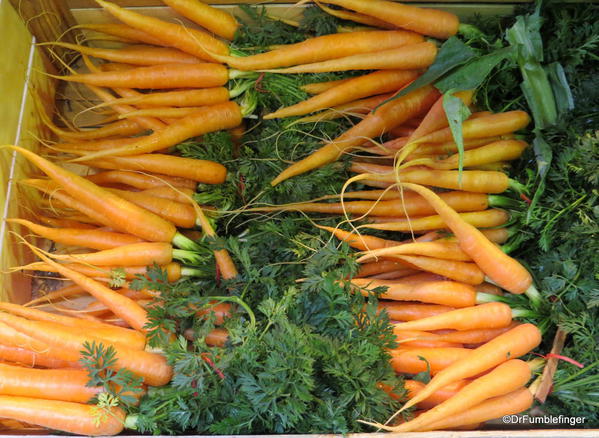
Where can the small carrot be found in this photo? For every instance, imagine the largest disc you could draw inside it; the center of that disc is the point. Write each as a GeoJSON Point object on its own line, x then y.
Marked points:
{"type": "Point", "coordinates": [478, 219]}
{"type": "Point", "coordinates": [215, 20]}
{"type": "Point", "coordinates": [65, 385]}
{"type": "Point", "coordinates": [322, 48]}
{"type": "Point", "coordinates": [414, 387]}
{"type": "Point", "coordinates": [379, 82]}
{"type": "Point", "coordinates": [122, 31]}
{"type": "Point", "coordinates": [503, 270]}
{"type": "Point", "coordinates": [474, 336]}
{"type": "Point", "coordinates": [507, 377]}
{"type": "Point", "coordinates": [192, 41]}
{"type": "Point", "coordinates": [204, 171]}
{"type": "Point", "coordinates": [58, 294]}
{"type": "Point", "coordinates": [134, 55]}
{"type": "Point", "coordinates": [360, 241]}
{"type": "Point", "coordinates": [208, 119]}
{"type": "Point", "coordinates": [181, 194]}
{"type": "Point", "coordinates": [409, 57]}
{"type": "Point", "coordinates": [320, 87]}
{"type": "Point", "coordinates": [408, 360]}
{"type": "Point", "coordinates": [64, 223]}
{"type": "Point", "coordinates": [415, 338]}
{"type": "Point", "coordinates": [382, 267]}
{"type": "Point", "coordinates": [76, 418]}
{"type": "Point", "coordinates": [355, 108]}
{"type": "Point", "coordinates": [438, 248]}
{"type": "Point", "coordinates": [95, 239]}
{"type": "Point", "coordinates": [140, 180]}
{"type": "Point", "coordinates": [449, 147]}
{"type": "Point", "coordinates": [163, 76]}
{"type": "Point", "coordinates": [163, 113]}
{"type": "Point", "coordinates": [431, 22]}
{"type": "Point", "coordinates": [376, 123]}
{"type": "Point", "coordinates": [463, 272]}
{"type": "Point", "coordinates": [488, 315]}
{"type": "Point", "coordinates": [512, 403]}
{"type": "Point", "coordinates": [392, 275]}
{"type": "Point", "coordinates": [412, 311]}
{"type": "Point", "coordinates": [178, 98]}
{"type": "Point", "coordinates": [487, 126]}
{"type": "Point", "coordinates": [217, 337]}
{"type": "Point", "coordinates": [118, 128]}
{"type": "Point", "coordinates": [447, 293]}
{"type": "Point", "coordinates": [33, 358]}
{"type": "Point", "coordinates": [130, 338]}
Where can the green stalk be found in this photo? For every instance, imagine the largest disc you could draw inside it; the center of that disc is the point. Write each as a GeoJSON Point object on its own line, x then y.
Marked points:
{"type": "Point", "coordinates": [522, 313]}
{"type": "Point", "coordinates": [186, 271]}
{"type": "Point", "coordinates": [505, 202]}
{"type": "Point", "coordinates": [183, 242]}
{"type": "Point", "coordinates": [186, 256]}
{"type": "Point", "coordinates": [534, 296]}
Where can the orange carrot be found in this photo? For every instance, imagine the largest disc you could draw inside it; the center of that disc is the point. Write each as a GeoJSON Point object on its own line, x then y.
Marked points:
{"type": "Point", "coordinates": [130, 338]}
{"type": "Point", "coordinates": [64, 223]}
{"type": "Point", "coordinates": [408, 360]}
{"type": "Point", "coordinates": [179, 98]}
{"type": "Point", "coordinates": [65, 385]}
{"type": "Point", "coordinates": [412, 311]}
{"type": "Point", "coordinates": [320, 87]}
{"type": "Point", "coordinates": [215, 20]}
{"type": "Point", "coordinates": [487, 126]}
{"type": "Point", "coordinates": [134, 254]}
{"type": "Point", "coordinates": [489, 315]}
{"type": "Point", "coordinates": [512, 403]}
{"type": "Point", "coordinates": [121, 214]}
{"type": "Point", "coordinates": [140, 180]}
{"type": "Point", "coordinates": [448, 293]}
{"type": "Point", "coordinates": [34, 358]}
{"type": "Point", "coordinates": [382, 267]}
{"type": "Point", "coordinates": [503, 270]}
{"type": "Point", "coordinates": [323, 48]}
{"type": "Point", "coordinates": [180, 194]}
{"type": "Point", "coordinates": [376, 123]}
{"type": "Point", "coordinates": [76, 418]}
{"type": "Point", "coordinates": [361, 241]}
{"type": "Point", "coordinates": [208, 119]}
{"type": "Point", "coordinates": [58, 294]}
{"type": "Point", "coordinates": [479, 219]}
{"type": "Point", "coordinates": [432, 149]}
{"type": "Point", "coordinates": [415, 338]}
{"type": "Point", "coordinates": [192, 41]}
{"type": "Point", "coordinates": [217, 337]}
{"type": "Point", "coordinates": [408, 57]}
{"type": "Point", "coordinates": [95, 239]}
{"type": "Point", "coordinates": [135, 55]}
{"type": "Point", "coordinates": [474, 336]}
{"type": "Point", "coordinates": [431, 22]}
{"type": "Point", "coordinates": [371, 84]}
{"type": "Point", "coordinates": [355, 108]}
{"type": "Point", "coordinates": [162, 76]}
{"type": "Point", "coordinates": [204, 171]}
{"type": "Point", "coordinates": [507, 377]}
{"type": "Point", "coordinates": [121, 31]}
{"type": "Point", "coordinates": [414, 387]}
{"type": "Point", "coordinates": [439, 248]}
{"type": "Point", "coordinates": [118, 128]}
{"type": "Point", "coordinates": [163, 113]}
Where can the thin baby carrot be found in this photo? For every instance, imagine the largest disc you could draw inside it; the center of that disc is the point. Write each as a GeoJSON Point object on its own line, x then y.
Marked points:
{"type": "Point", "coordinates": [439, 248]}
{"type": "Point", "coordinates": [408, 360]}
{"type": "Point", "coordinates": [355, 108]}
{"type": "Point", "coordinates": [140, 180]}
{"type": "Point", "coordinates": [122, 31]}
{"type": "Point", "coordinates": [218, 21]}
{"type": "Point", "coordinates": [414, 387]}
{"type": "Point", "coordinates": [411, 311]}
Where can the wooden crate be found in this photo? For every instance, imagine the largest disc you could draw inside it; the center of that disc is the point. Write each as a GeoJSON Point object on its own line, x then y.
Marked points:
{"type": "Point", "coordinates": [23, 83]}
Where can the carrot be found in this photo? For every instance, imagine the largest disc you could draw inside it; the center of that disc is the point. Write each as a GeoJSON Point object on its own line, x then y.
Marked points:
{"type": "Point", "coordinates": [371, 84]}
{"type": "Point", "coordinates": [503, 270]}
{"type": "Point", "coordinates": [409, 57]}
{"type": "Point", "coordinates": [489, 315]}
{"type": "Point", "coordinates": [503, 150]}
{"type": "Point", "coordinates": [474, 336]}
{"type": "Point", "coordinates": [393, 275]}
{"type": "Point", "coordinates": [130, 338]}
{"type": "Point", "coordinates": [135, 254]}
{"type": "Point", "coordinates": [408, 360]}
{"type": "Point", "coordinates": [215, 20]}
{"type": "Point", "coordinates": [77, 418]}
{"type": "Point", "coordinates": [376, 123]}
{"type": "Point", "coordinates": [33, 358]}
{"type": "Point", "coordinates": [182, 215]}
{"type": "Point", "coordinates": [179, 98]}
{"type": "Point", "coordinates": [144, 55]}
{"type": "Point", "coordinates": [431, 22]}
{"type": "Point", "coordinates": [152, 367]}
{"type": "Point", "coordinates": [487, 126]}
{"type": "Point", "coordinates": [323, 48]}
{"type": "Point", "coordinates": [64, 223]}
{"type": "Point", "coordinates": [489, 288]}
{"type": "Point", "coordinates": [122, 31]}
{"type": "Point", "coordinates": [58, 294]}
{"type": "Point", "coordinates": [414, 387]}
{"type": "Point", "coordinates": [355, 108]}
{"type": "Point", "coordinates": [207, 172]}
{"type": "Point", "coordinates": [451, 146]}
{"type": "Point", "coordinates": [479, 219]}
{"type": "Point", "coordinates": [411, 205]}
{"type": "Point", "coordinates": [163, 113]}
{"type": "Point", "coordinates": [511, 344]}
{"type": "Point", "coordinates": [122, 215]}
{"type": "Point", "coordinates": [174, 270]}
{"type": "Point", "coordinates": [439, 249]}
{"type": "Point", "coordinates": [383, 267]}
{"type": "Point", "coordinates": [162, 76]}
{"type": "Point", "coordinates": [478, 181]}
{"type": "Point", "coordinates": [415, 338]}
{"type": "Point", "coordinates": [192, 41]}
{"type": "Point", "coordinates": [507, 377]}
{"type": "Point", "coordinates": [77, 237]}
{"type": "Point", "coordinates": [217, 337]}
{"type": "Point", "coordinates": [320, 87]}
{"type": "Point", "coordinates": [511, 403]}
{"type": "Point", "coordinates": [208, 119]}
{"type": "Point", "coordinates": [140, 180]}
{"type": "Point", "coordinates": [447, 293]}
{"type": "Point", "coordinates": [65, 385]}
{"type": "Point", "coordinates": [412, 311]}
{"type": "Point", "coordinates": [121, 306]}
{"type": "Point", "coordinates": [361, 241]}
{"type": "Point", "coordinates": [454, 270]}
{"type": "Point", "coordinates": [118, 128]}
{"type": "Point", "coordinates": [180, 194]}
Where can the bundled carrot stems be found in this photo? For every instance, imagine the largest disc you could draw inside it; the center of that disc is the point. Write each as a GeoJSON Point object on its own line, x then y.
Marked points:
{"type": "Point", "coordinates": [292, 227]}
